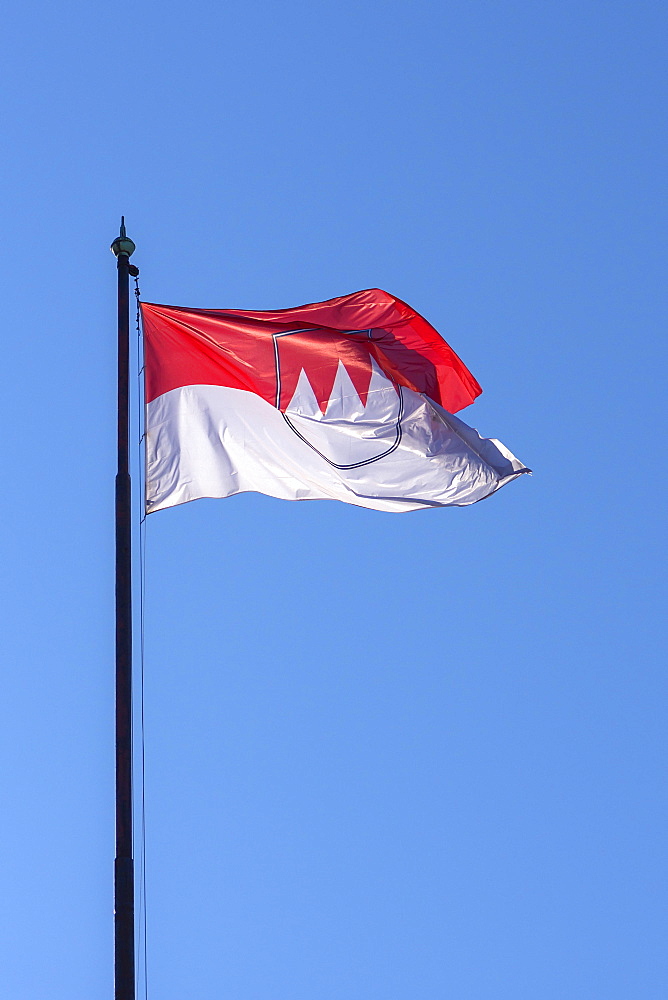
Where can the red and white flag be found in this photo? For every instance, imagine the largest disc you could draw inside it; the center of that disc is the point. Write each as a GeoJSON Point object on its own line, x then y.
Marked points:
{"type": "Point", "coordinates": [350, 399]}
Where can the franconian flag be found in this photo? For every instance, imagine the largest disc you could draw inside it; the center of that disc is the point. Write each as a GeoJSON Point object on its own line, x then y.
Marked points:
{"type": "Point", "coordinates": [350, 399]}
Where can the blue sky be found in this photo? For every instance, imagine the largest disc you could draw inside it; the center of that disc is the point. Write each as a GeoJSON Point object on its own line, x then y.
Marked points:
{"type": "Point", "coordinates": [388, 757]}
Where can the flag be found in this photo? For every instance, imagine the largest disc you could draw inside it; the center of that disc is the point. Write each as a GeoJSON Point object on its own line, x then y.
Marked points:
{"type": "Point", "coordinates": [351, 399]}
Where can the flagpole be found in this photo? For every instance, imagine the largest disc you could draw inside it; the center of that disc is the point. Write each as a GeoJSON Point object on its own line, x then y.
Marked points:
{"type": "Point", "coordinates": [124, 946]}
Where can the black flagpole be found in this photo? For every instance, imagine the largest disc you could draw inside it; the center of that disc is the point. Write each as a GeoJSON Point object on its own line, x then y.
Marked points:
{"type": "Point", "coordinates": [124, 908]}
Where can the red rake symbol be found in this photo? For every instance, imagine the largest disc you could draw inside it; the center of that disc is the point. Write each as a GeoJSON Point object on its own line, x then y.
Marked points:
{"type": "Point", "coordinates": [335, 397]}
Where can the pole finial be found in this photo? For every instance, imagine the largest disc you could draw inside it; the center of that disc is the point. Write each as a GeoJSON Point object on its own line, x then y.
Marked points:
{"type": "Point", "coordinates": [122, 244]}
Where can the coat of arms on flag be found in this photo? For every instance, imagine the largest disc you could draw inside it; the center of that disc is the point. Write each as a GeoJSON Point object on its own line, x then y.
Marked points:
{"type": "Point", "coordinates": [350, 399]}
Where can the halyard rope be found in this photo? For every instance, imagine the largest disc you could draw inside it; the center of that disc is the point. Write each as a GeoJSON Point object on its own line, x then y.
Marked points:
{"type": "Point", "coordinates": [141, 923]}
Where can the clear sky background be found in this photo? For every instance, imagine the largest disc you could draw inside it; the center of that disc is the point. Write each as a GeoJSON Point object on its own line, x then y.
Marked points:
{"type": "Point", "coordinates": [388, 757]}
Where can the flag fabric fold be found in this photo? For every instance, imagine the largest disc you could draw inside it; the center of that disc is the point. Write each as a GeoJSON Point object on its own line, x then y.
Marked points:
{"type": "Point", "coordinates": [351, 399]}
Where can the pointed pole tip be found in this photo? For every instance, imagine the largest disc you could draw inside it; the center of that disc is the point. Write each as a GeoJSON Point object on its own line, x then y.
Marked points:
{"type": "Point", "coordinates": [122, 245]}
